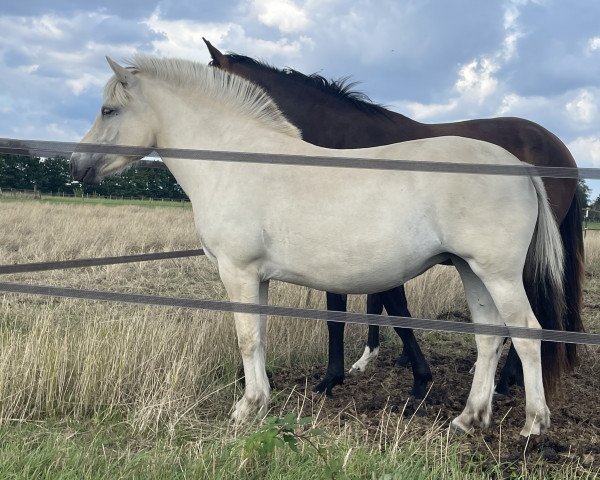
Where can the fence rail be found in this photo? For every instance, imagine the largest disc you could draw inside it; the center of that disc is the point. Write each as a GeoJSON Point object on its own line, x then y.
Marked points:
{"type": "Point", "coordinates": [49, 148]}
{"type": "Point", "coordinates": [346, 317]}
{"type": "Point", "coordinates": [96, 262]}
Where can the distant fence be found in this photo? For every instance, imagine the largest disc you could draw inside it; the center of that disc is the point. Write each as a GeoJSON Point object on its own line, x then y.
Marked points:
{"type": "Point", "coordinates": [591, 220]}
{"type": "Point", "coordinates": [36, 194]}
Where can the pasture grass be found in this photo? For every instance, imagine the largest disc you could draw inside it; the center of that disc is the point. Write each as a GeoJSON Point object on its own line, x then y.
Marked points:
{"type": "Point", "coordinates": [102, 390]}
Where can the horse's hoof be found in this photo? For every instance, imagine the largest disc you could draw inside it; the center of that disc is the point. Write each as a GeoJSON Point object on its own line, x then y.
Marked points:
{"type": "Point", "coordinates": [248, 409]}
{"type": "Point", "coordinates": [327, 384]}
{"type": "Point", "coordinates": [502, 391]}
{"type": "Point", "coordinates": [419, 392]}
{"type": "Point", "coordinates": [536, 424]}
{"type": "Point", "coordinates": [457, 428]}
{"type": "Point", "coordinates": [361, 364]}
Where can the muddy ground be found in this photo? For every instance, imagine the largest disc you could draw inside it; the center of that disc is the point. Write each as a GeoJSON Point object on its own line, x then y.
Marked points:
{"type": "Point", "coordinates": [575, 415]}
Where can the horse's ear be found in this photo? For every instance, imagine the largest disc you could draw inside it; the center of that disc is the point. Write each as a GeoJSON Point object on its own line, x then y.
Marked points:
{"type": "Point", "coordinates": [218, 59]}
{"type": "Point", "coordinates": [124, 76]}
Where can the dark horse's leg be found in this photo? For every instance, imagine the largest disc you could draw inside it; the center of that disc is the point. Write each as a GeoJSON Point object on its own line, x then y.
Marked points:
{"type": "Point", "coordinates": [395, 304]}
{"type": "Point", "coordinates": [374, 307]}
{"type": "Point", "coordinates": [335, 368]}
{"type": "Point", "coordinates": [511, 373]}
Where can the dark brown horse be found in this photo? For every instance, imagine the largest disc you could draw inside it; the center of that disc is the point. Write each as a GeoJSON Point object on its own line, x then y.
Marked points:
{"type": "Point", "coordinates": [331, 115]}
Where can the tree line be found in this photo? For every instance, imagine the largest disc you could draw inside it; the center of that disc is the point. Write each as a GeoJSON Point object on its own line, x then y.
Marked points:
{"type": "Point", "coordinates": [48, 175]}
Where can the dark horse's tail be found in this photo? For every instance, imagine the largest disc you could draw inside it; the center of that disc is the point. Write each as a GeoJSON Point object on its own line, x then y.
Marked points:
{"type": "Point", "coordinates": [571, 232]}
{"type": "Point", "coordinates": [558, 307]}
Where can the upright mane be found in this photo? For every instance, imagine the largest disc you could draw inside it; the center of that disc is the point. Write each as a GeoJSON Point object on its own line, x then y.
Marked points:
{"type": "Point", "coordinates": [247, 97]}
{"type": "Point", "coordinates": [342, 88]}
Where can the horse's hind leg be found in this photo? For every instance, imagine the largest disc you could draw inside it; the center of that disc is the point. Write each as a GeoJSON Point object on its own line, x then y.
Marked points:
{"type": "Point", "coordinates": [478, 409]}
{"type": "Point", "coordinates": [374, 307]}
{"type": "Point", "coordinates": [335, 366]}
{"type": "Point", "coordinates": [513, 306]}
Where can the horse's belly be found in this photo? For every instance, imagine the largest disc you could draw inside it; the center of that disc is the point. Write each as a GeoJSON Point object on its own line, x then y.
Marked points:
{"type": "Point", "coordinates": [366, 271]}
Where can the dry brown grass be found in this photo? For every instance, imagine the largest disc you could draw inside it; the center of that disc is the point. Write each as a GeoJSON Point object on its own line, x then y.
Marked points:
{"type": "Point", "coordinates": [62, 356]}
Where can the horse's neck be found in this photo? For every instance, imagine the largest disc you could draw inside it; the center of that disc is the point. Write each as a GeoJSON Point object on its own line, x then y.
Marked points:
{"type": "Point", "coordinates": [213, 128]}
{"type": "Point", "coordinates": [301, 104]}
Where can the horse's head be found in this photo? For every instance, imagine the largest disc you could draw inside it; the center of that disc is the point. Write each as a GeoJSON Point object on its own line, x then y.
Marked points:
{"type": "Point", "coordinates": [124, 119]}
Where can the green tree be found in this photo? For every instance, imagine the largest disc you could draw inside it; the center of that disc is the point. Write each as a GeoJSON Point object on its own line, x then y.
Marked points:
{"type": "Point", "coordinates": [583, 192]}
{"type": "Point", "coordinates": [53, 175]}
{"type": "Point", "coordinates": [19, 172]}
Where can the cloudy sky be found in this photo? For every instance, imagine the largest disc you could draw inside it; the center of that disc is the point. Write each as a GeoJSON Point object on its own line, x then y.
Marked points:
{"type": "Point", "coordinates": [434, 60]}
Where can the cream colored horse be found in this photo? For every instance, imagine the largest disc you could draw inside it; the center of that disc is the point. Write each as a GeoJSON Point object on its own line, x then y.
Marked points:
{"type": "Point", "coordinates": [335, 229]}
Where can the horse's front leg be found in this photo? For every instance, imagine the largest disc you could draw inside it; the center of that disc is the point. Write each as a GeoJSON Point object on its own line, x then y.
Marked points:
{"type": "Point", "coordinates": [251, 333]}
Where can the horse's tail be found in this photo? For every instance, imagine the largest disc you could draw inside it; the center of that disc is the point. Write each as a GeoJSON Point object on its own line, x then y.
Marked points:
{"type": "Point", "coordinates": [545, 285]}
{"type": "Point", "coordinates": [572, 238]}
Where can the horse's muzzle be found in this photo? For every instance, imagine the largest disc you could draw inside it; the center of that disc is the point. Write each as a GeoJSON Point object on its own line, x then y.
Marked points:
{"type": "Point", "coordinates": [82, 172]}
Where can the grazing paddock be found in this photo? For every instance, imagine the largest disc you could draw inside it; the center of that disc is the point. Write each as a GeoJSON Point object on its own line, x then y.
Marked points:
{"type": "Point", "coordinates": [146, 391]}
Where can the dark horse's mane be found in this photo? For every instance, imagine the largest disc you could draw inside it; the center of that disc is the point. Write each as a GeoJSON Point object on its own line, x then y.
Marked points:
{"type": "Point", "coordinates": [342, 88]}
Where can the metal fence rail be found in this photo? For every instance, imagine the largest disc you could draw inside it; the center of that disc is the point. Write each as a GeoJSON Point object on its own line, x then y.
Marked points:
{"type": "Point", "coordinates": [95, 262]}
{"type": "Point", "coordinates": [361, 318]}
{"type": "Point", "coordinates": [49, 148]}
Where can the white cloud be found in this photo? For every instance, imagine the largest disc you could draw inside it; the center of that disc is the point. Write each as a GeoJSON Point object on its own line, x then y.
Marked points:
{"type": "Point", "coordinates": [534, 107]}
{"type": "Point", "coordinates": [513, 33]}
{"type": "Point", "coordinates": [593, 44]}
{"type": "Point", "coordinates": [283, 48]}
{"type": "Point", "coordinates": [183, 38]}
{"type": "Point", "coordinates": [583, 107]}
{"type": "Point", "coordinates": [477, 90]}
{"type": "Point", "coordinates": [55, 70]}
{"type": "Point", "coordinates": [426, 111]}
{"type": "Point", "coordinates": [84, 81]}
{"type": "Point", "coordinates": [49, 27]}
{"type": "Point", "coordinates": [284, 15]}
{"type": "Point", "coordinates": [476, 79]}
{"type": "Point", "coordinates": [586, 150]}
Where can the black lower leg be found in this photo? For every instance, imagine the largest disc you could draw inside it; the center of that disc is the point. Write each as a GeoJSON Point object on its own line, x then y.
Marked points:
{"type": "Point", "coordinates": [396, 304]}
{"type": "Point", "coordinates": [374, 307]}
{"type": "Point", "coordinates": [511, 373]}
{"type": "Point", "coordinates": [335, 367]}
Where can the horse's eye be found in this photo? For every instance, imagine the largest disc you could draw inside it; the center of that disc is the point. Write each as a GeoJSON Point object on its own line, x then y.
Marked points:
{"type": "Point", "coordinates": [106, 111]}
